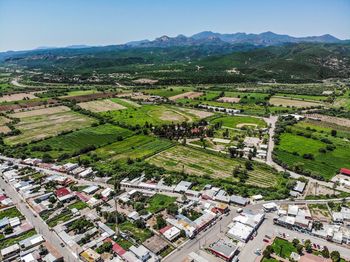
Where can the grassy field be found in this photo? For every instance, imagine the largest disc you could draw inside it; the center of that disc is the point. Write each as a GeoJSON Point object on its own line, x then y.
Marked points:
{"type": "Point", "coordinates": [152, 114]}
{"type": "Point", "coordinates": [101, 105]}
{"type": "Point", "coordinates": [41, 123]}
{"type": "Point", "coordinates": [78, 140]}
{"type": "Point", "coordinates": [326, 163]}
{"type": "Point", "coordinates": [125, 102]}
{"type": "Point", "coordinates": [199, 162]}
{"type": "Point", "coordinates": [78, 205]}
{"type": "Point", "coordinates": [81, 93]}
{"type": "Point", "coordinates": [140, 234]}
{"type": "Point", "coordinates": [138, 146]}
{"type": "Point", "coordinates": [239, 121]}
{"type": "Point", "coordinates": [10, 213]}
{"type": "Point", "coordinates": [159, 202]}
{"type": "Point", "coordinates": [303, 97]}
{"type": "Point", "coordinates": [283, 248]}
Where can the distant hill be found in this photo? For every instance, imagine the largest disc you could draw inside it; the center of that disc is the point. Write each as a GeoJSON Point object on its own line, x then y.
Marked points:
{"type": "Point", "coordinates": [211, 38]}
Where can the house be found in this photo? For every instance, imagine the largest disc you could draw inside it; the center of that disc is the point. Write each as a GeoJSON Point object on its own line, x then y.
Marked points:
{"type": "Point", "coordinates": [299, 187]}
{"type": "Point", "coordinates": [10, 252]}
{"type": "Point", "coordinates": [183, 186]}
{"type": "Point", "coordinates": [87, 172]}
{"type": "Point", "coordinates": [223, 249]}
{"type": "Point", "coordinates": [31, 242]}
{"type": "Point", "coordinates": [155, 244]}
{"type": "Point", "coordinates": [240, 232]}
{"type": "Point", "coordinates": [140, 252]}
{"type": "Point", "coordinates": [118, 250]}
{"type": "Point", "coordinates": [90, 255]}
{"type": "Point", "coordinates": [170, 232]}
{"type": "Point", "coordinates": [64, 194]}
{"type": "Point", "coordinates": [269, 207]}
{"type": "Point", "coordinates": [91, 189]}
{"type": "Point", "coordinates": [239, 200]}
{"type": "Point", "coordinates": [70, 167]}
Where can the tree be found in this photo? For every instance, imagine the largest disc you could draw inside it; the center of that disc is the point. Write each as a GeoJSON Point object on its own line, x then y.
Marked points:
{"type": "Point", "coordinates": [334, 132]}
{"type": "Point", "coordinates": [295, 242]}
{"type": "Point", "coordinates": [308, 246]}
{"type": "Point", "coordinates": [335, 256]}
{"type": "Point", "coordinates": [160, 222]}
{"type": "Point", "coordinates": [325, 252]}
{"type": "Point", "coordinates": [8, 230]}
{"type": "Point", "coordinates": [268, 251]}
{"type": "Point", "coordinates": [249, 165]}
{"type": "Point", "coordinates": [300, 249]}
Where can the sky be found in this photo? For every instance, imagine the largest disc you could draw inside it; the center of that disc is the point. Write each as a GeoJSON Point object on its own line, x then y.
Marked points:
{"type": "Point", "coordinates": [28, 24]}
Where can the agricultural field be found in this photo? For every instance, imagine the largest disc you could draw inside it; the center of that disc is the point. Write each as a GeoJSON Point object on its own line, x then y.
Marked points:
{"type": "Point", "coordinates": [239, 121]}
{"type": "Point", "coordinates": [77, 141]}
{"type": "Point", "coordinates": [41, 123]}
{"type": "Point", "coordinates": [170, 91]}
{"type": "Point", "coordinates": [187, 95]}
{"type": "Point", "coordinates": [101, 105]}
{"type": "Point", "coordinates": [302, 97]}
{"type": "Point", "coordinates": [288, 102]}
{"type": "Point", "coordinates": [151, 114]}
{"type": "Point", "coordinates": [199, 162]}
{"type": "Point", "coordinates": [80, 93]}
{"type": "Point", "coordinates": [309, 147]}
{"type": "Point", "coordinates": [17, 97]}
{"type": "Point", "coordinates": [134, 147]}
{"type": "Point", "coordinates": [124, 102]}
{"type": "Point", "coordinates": [3, 127]}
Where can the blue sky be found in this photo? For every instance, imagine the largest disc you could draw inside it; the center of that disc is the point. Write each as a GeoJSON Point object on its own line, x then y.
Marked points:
{"type": "Point", "coordinates": [27, 24]}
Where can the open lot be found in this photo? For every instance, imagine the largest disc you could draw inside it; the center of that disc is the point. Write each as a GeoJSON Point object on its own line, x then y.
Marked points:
{"type": "Point", "coordinates": [80, 140]}
{"type": "Point", "coordinates": [101, 105]}
{"type": "Point", "coordinates": [46, 122]}
{"type": "Point", "coordinates": [280, 101]}
{"type": "Point", "coordinates": [198, 162]}
{"type": "Point", "coordinates": [330, 119]}
{"type": "Point", "coordinates": [152, 114]}
{"type": "Point", "coordinates": [226, 99]}
{"type": "Point", "coordinates": [158, 202]}
{"type": "Point", "coordinates": [17, 97]}
{"type": "Point", "coordinates": [188, 95]}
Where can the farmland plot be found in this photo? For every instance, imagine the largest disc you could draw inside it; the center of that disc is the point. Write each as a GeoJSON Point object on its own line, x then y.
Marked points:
{"type": "Point", "coordinates": [81, 139]}
{"type": "Point", "coordinates": [46, 122]}
{"type": "Point", "coordinates": [198, 162]}
{"type": "Point", "coordinates": [101, 105]}
{"type": "Point", "coordinates": [189, 95]}
{"type": "Point", "coordinates": [138, 146]}
{"type": "Point", "coordinates": [17, 97]}
{"type": "Point", "coordinates": [280, 101]}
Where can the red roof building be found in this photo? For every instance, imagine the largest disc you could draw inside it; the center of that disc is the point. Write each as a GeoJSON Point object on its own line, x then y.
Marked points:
{"type": "Point", "coordinates": [62, 192]}
{"type": "Point", "coordinates": [118, 250]}
{"type": "Point", "coordinates": [2, 197]}
{"type": "Point", "coordinates": [345, 171]}
{"type": "Point", "coordinates": [83, 197]}
{"type": "Point", "coordinates": [164, 229]}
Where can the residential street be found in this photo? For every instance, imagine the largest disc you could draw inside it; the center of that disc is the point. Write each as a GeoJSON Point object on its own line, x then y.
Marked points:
{"type": "Point", "coordinates": [37, 222]}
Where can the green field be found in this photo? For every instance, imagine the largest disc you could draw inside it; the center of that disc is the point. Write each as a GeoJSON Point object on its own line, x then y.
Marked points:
{"type": "Point", "coordinates": [81, 93]}
{"type": "Point", "coordinates": [151, 114]}
{"type": "Point", "coordinates": [199, 162]}
{"type": "Point", "coordinates": [78, 205]}
{"type": "Point", "coordinates": [159, 202]}
{"type": "Point", "coordinates": [10, 213]}
{"type": "Point", "coordinates": [168, 91]}
{"type": "Point", "coordinates": [140, 234]}
{"type": "Point", "coordinates": [233, 121]}
{"type": "Point", "coordinates": [303, 97]}
{"type": "Point", "coordinates": [134, 147]}
{"type": "Point", "coordinates": [283, 248]}
{"type": "Point", "coordinates": [41, 123]}
{"type": "Point", "coordinates": [326, 163]}
{"type": "Point", "coordinates": [78, 140]}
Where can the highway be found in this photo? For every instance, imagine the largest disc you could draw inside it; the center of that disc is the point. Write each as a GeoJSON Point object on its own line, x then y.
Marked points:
{"type": "Point", "coordinates": [37, 222]}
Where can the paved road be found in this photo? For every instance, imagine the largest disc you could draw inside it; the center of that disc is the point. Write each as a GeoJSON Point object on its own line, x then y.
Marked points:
{"type": "Point", "coordinates": [38, 223]}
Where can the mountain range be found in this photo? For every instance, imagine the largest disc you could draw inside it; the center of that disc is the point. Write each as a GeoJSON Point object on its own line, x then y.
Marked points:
{"type": "Point", "coordinates": [211, 38]}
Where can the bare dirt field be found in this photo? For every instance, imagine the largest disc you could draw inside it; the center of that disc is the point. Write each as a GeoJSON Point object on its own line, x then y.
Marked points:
{"type": "Point", "coordinates": [246, 124]}
{"type": "Point", "coordinates": [279, 101]}
{"type": "Point", "coordinates": [330, 119]}
{"type": "Point", "coordinates": [145, 81]}
{"type": "Point", "coordinates": [16, 97]}
{"type": "Point", "coordinates": [229, 99]}
{"type": "Point", "coordinates": [199, 113]}
{"type": "Point", "coordinates": [4, 120]}
{"type": "Point", "coordinates": [169, 115]}
{"type": "Point", "coordinates": [43, 111]}
{"type": "Point", "coordinates": [101, 106]}
{"type": "Point", "coordinates": [4, 129]}
{"type": "Point", "coordinates": [313, 190]}
{"type": "Point", "coordinates": [189, 95]}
